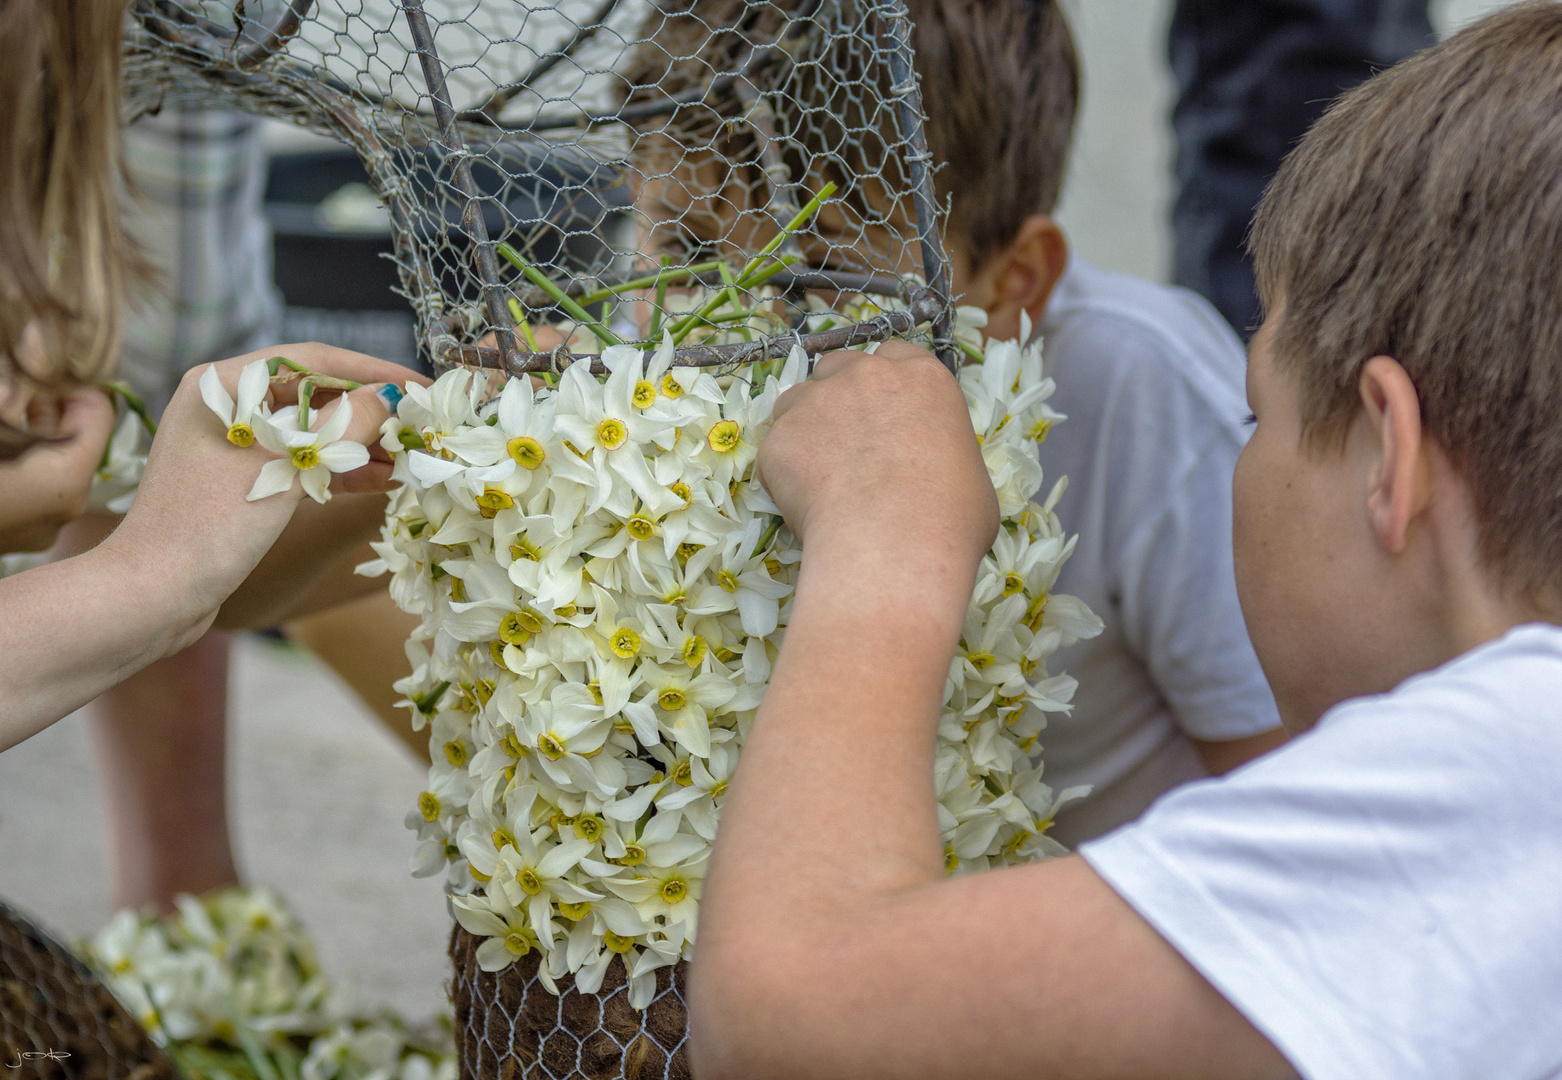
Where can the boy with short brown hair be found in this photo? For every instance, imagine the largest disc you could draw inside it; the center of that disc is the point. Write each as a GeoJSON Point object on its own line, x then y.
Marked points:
{"type": "Point", "coordinates": [1376, 899]}
{"type": "Point", "coordinates": [1150, 376]}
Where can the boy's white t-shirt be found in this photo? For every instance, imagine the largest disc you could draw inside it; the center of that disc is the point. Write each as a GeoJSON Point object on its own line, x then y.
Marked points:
{"type": "Point", "coordinates": [1152, 381]}
{"type": "Point", "coordinates": [1382, 897]}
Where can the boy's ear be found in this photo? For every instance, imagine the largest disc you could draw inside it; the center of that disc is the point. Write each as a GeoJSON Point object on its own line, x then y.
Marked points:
{"type": "Point", "coordinates": [1399, 487]}
{"type": "Point", "coordinates": [1021, 276]}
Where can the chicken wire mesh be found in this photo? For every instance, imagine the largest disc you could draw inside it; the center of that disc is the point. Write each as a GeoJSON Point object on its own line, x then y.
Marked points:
{"type": "Point", "coordinates": [738, 175]}
{"type": "Point", "coordinates": [58, 1022]}
{"type": "Point", "coordinates": [565, 176]}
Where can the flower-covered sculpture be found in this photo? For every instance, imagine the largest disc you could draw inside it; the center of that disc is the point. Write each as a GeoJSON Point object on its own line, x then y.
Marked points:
{"type": "Point", "coordinates": [604, 586]}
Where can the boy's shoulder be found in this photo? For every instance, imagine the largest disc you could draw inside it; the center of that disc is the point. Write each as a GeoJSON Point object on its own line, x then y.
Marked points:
{"type": "Point", "coordinates": [1370, 895]}
{"type": "Point", "coordinates": [1103, 327]}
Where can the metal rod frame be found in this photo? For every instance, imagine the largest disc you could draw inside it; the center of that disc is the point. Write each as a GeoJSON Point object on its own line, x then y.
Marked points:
{"type": "Point", "coordinates": [276, 37]}
{"type": "Point", "coordinates": [454, 145]}
{"type": "Point", "coordinates": [924, 308]}
{"type": "Point", "coordinates": [897, 30]}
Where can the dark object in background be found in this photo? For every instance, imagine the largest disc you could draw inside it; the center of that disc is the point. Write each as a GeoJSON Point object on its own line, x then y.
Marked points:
{"type": "Point", "coordinates": [1252, 76]}
{"type": "Point", "coordinates": [54, 1009]}
{"type": "Point", "coordinates": [332, 240]}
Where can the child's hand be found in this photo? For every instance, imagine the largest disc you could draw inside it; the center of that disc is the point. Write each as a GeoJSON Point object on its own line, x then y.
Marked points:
{"type": "Point", "coordinates": [46, 487]}
{"type": "Point", "coordinates": [879, 450]}
{"type": "Point", "coordinates": [191, 519]}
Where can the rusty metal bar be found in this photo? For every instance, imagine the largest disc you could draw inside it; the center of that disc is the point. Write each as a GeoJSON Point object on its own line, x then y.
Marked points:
{"type": "Point", "coordinates": [897, 28]}
{"type": "Point", "coordinates": [454, 145]}
{"type": "Point", "coordinates": [276, 37]}
{"type": "Point", "coordinates": [879, 328]}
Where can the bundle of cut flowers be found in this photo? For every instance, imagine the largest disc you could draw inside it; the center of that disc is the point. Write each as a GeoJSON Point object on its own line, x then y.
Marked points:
{"type": "Point", "coordinates": [604, 587]}
{"type": "Point", "coordinates": [230, 988]}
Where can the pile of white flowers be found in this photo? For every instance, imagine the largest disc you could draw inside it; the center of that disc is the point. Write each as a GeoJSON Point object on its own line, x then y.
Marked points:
{"type": "Point", "coordinates": [604, 587]}
{"type": "Point", "coordinates": [229, 986]}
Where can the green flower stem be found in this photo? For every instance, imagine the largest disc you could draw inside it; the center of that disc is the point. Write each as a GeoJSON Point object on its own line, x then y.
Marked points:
{"type": "Point", "coordinates": [659, 306]}
{"type": "Point", "coordinates": [659, 280]}
{"type": "Point", "coordinates": [521, 324]}
{"type": "Point", "coordinates": [306, 390]}
{"type": "Point", "coordinates": [971, 351]}
{"type": "Point", "coordinates": [134, 403]}
{"type": "Point", "coordinates": [797, 222]}
{"type": "Point", "coordinates": [769, 534]}
{"type": "Point", "coordinates": [751, 277]}
{"type": "Point", "coordinates": [573, 309]}
{"type": "Point", "coordinates": [683, 326]}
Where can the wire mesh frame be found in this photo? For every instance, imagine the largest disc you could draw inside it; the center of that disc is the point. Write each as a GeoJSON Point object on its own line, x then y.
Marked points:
{"type": "Point", "coordinates": [249, 65]}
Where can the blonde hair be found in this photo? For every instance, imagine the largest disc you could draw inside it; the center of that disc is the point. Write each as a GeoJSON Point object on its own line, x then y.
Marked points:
{"type": "Point", "coordinates": [64, 260]}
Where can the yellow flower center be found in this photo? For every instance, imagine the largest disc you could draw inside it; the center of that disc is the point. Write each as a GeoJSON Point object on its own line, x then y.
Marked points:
{"type": "Point", "coordinates": [566, 612]}
{"type": "Point", "coordinates": [1035, 613]}
{"type": "Point", "coordinates": [951, 862]}
{"type": "Point", "coordinates": [674, 889]}
{"type": "Point", "coordinates": [617, 943]}
{"type": "Point", "coordinates": [644, 394]}
{"type": "Point", "coordinates": [528, 880]}
{"type": "Point", "coordinates": [611, 434]}
{"type": "Point", "coordinates": [1014, 845]}
{"type": "Point", "coordinates": [522, 549]}
{"type": "Point", "coordinates": [478, 874]}
{"type": "Point", "coordinates": [624, 642]}
{"type": "Point", "coordinates": [686, 549]}
{"type": "Point", "coordinates": [670, 386]}
{"type": "Point", "coordinates": [981, 660]}
{"type": "Point", "coordinates": [683, 492]}
{"type": "Point", "coordinates": [428, 806]}
{"type": "Point", "coordinates": [596, 691]}
{"type": "Point", "coordinates": [512, 746]}
{"type": "Point", "coordinates": [641, 528]}
{"type": "Point", "coordinates": [551, 746]}
{"type": "Point", "coordinates": [633, 855]}
{"type": "Point", "coordinates": [683, 775]}
{"type": "Point", "coordinates": [458, 590]}
{"type": "Point", "coordinates": [725, 655]}
{"type": "Point", "coordinates": [575, 912]}
{"type": "Point", "coordinates": [772, 565]}
{"type": "Point", "coordinates": [718, 789]}
{"type": "Point", "coordinates": [513, 629]}
{"type": "Point", "coordinates": [526, 451]}
{"type": "Point", "coordinates": [455, 753]}
{"type": "Point", "coordinates": [304, 457]}
{"type": "Point", "coordinates": [496, 652]}
{"type": "Point", "coordinates": [724, 437]}
{"type": "Point", "coordinates": [577, 451]}
{"type": "Point", "coordinates": [694, 650]}
{"type": "Point", "coordinates": [727, 580]}
{"type": "Point", "coordinates": [672, 700]}
{"type": "Point", "coordinates": [1012, 583]}
{"type": "Point", "coordinates": [1039, 431]}
{"type": "Point", "coordinates": [493, 500]}
{"type": "Point", "coordinates": [241, 435]}
{"type": "Point", "coordinates": [517, 945]}
{"type": "Point", "coordinates": [559, 822]}
{"type": "Point", "coordinates": [588, 827]}
{"type": "Point", "coordinates": [500, 838]}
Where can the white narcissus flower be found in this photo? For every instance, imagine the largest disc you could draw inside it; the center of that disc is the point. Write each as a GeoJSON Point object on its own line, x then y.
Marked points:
{"type": "Point", "coordinates": [311, 456]}
{"type": "Point", "coordinates": [604, 590]}
{"type": "Point", "coordinates": [240, 419]}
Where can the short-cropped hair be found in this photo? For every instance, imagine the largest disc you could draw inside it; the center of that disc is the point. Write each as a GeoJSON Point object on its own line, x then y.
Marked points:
{"type": "Point", "coordinates": [1421, 219]}
{"type": "Point", "coordinates": [1000, 86]}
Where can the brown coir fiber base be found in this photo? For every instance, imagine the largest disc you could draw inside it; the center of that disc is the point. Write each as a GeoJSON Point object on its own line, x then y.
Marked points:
{"type": "Point", "coordinates": [53, 1008]}
{"type": "Point", "coordinates": [509, 1027]}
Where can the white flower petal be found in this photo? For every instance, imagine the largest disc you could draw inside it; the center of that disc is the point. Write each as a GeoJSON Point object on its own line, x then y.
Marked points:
{"type": "Point", "coordinates": [216, 395]}
{"type": "Point", "coordinates": [276, 476]}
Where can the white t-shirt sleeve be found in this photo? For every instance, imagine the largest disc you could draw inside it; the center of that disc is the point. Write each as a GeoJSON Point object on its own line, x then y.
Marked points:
{"type": "Point", "coordinates": [1155, 405]}
{"type": "Point", "coordinates": [1382, 897]}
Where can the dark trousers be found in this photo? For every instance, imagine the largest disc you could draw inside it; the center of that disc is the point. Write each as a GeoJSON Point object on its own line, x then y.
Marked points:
{"type": "Point", "coordinates": [1252, 76]}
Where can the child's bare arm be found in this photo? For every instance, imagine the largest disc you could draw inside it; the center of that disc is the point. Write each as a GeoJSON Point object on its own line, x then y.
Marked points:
{"type": "Point", "coordinates": [831, 942]}
{"type": "Point", "coordinates": [71, 629]}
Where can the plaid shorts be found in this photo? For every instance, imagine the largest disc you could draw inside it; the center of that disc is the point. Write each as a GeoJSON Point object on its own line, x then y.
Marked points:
{"type": "Point", "coordinates": [198, 181]}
